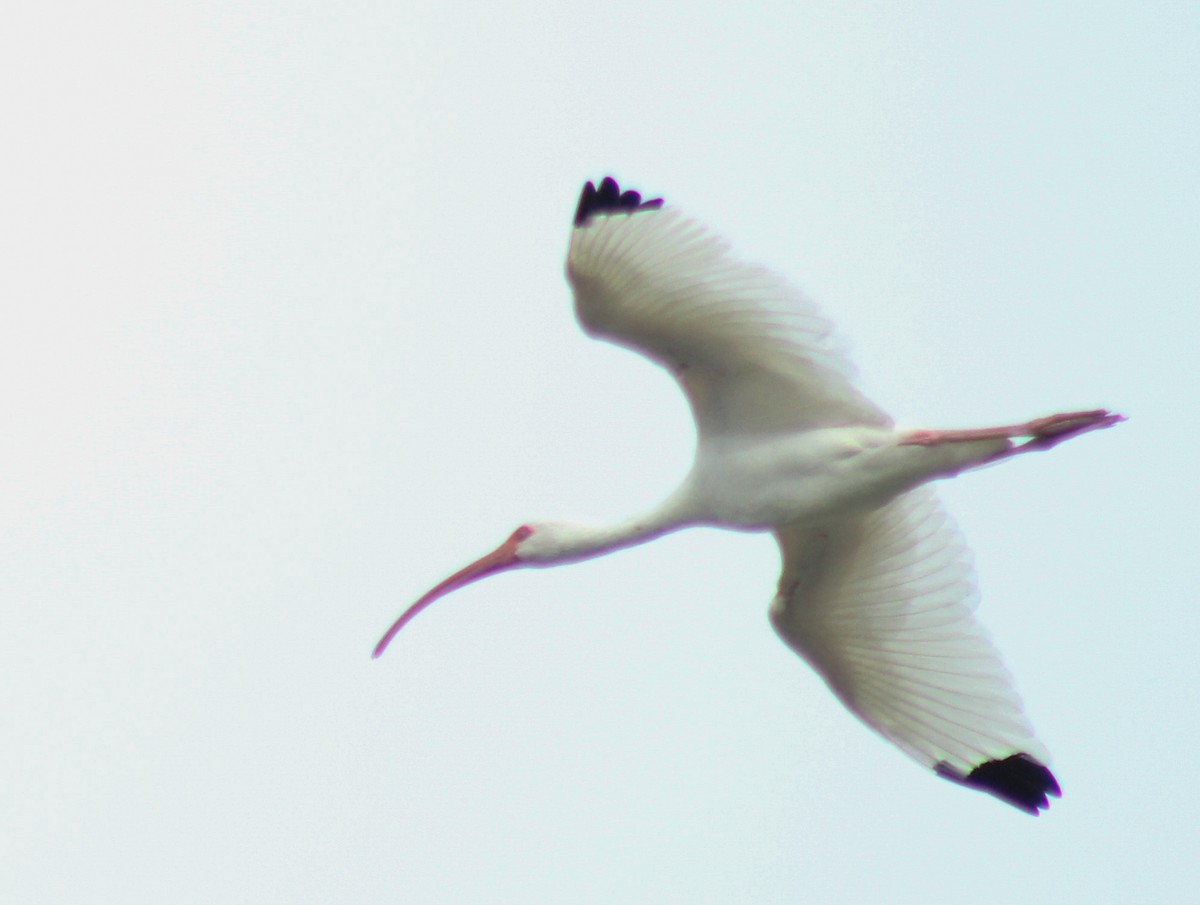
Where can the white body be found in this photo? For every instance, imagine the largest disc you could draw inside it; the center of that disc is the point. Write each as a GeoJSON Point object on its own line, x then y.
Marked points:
{"type": "Point", "coordinates": [877, 592]}
{"type": "Point", "coordinates": [765, 482]}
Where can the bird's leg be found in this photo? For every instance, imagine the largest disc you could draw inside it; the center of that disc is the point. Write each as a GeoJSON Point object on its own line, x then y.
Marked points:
{"type": "Point", "coordinates": [1044, 433]}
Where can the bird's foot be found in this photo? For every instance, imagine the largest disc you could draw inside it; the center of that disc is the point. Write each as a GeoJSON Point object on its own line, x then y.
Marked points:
{"type": "Point", "coordinates": [1044, 433]}
{"type": "Point", "coordinates": [1047, 433]}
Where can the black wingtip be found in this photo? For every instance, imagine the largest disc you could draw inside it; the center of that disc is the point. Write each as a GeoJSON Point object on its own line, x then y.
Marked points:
{"type": "Point", "coordinates": [609, 199]}
{"type": "Point", "coordinates": [1019, 780]}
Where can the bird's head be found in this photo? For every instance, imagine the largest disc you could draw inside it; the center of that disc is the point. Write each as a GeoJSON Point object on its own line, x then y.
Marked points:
{"type": "Point", "coordinates": [538, 544]}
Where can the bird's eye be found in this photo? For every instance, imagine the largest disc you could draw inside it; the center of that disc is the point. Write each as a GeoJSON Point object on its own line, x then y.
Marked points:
{"type": "Point", "coordinates": [521, 533]}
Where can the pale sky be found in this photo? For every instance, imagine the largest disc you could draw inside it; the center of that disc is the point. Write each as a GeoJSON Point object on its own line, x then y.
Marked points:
{"type": "Point", "coordinates": [287, 341]}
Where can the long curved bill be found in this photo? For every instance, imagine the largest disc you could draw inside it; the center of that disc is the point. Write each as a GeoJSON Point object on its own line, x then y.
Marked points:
{"type": "Point", "coordinates": [503, 557]}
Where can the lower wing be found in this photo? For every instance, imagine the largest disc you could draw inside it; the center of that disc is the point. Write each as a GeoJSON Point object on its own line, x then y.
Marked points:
{"type": "Point", "coordinates": [882, 606]}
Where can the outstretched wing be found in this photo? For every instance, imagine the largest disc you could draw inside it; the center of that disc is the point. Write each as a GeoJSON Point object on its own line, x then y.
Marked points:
{"type": "Point", "coordinates": [882, 606]}
{"type": "Point", "coordinates": [753, 355]}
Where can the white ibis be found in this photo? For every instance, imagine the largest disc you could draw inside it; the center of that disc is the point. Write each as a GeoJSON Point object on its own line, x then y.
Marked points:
{"type": "Point", "coordinates": [877, 592]}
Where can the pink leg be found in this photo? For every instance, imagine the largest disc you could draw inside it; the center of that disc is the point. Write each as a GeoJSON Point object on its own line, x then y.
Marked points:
{"type": "Point", "coordinates": [1044, 433]}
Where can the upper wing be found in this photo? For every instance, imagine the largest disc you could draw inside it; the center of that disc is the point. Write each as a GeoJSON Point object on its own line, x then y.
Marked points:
{"type": "Point", "coordinates": [753, 355]}
{"type": "Point", "coordinates": [882, 606]}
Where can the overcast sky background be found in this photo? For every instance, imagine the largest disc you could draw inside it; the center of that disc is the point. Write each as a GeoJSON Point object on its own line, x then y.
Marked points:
{"type": "Point", "coordinates": [286, 340]}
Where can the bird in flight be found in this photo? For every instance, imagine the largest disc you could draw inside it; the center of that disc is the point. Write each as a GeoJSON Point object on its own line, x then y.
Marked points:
{"type": "Point", "coordinates": [877, 590]}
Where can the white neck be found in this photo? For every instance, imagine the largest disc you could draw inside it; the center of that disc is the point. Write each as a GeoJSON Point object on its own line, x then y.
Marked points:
{"type": "Point", "coordinates": [560, 542]}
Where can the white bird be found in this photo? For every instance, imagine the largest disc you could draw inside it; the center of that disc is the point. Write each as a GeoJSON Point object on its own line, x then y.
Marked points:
{"type": "Point", "coordinates": [877, 591]}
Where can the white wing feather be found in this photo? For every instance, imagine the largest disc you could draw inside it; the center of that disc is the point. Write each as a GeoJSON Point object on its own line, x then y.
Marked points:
{"type": "Point", "coordinates": [752, 353]}
{"type": "Point", "coordinates": [882, 606]}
